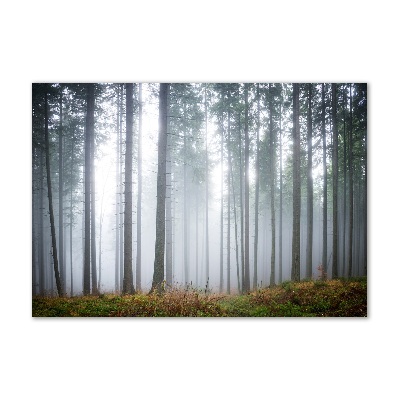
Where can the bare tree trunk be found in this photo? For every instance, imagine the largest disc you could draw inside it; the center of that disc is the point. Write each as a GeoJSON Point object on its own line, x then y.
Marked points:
{"type": "Point", "coordinates": [41, 227]}
{"type": "Point", "coordinates": [325, 192]}
{"type": "Point", "coordinates": [139, 200]}
{"type": "Point", "coordinates": [351, 190]}
{"type": "Point", "coordinates": [52, 225]}
{"type": "Point", "coordinates": [257, 191]}
{"type": "Point", "coordinates": [344, 180]}
{"type": "Point", "coordinates": [88, 134]}
{"type": "Point", "coordinates": [228, 238]}
{"type": "Point", "coordinates": [246, 193]}
{"type": "Point", "coordinates": [60, 199]}
{"type": "Point", "coordinates": [93, 206]}
{"type": "Point", "coordinates": [128, 287]}
{"type": "Point", "coordinates": [158, 275]}
{"type": "Point", "coordinates": [117, 207]}
{"type": "Point", "coordinates": [280, 195]}
{"type": "Point", "coordinates": [310, 191]}
{"type": "Point", "coordinates": [221, 238]}
{"type": "Point", "coordinates": [272, 180]}
{"type": "Point", "coordinates": [71, 217]}
{"type": "Point", "coordinates": [207, 238]}
{"type": "Point", "coordinates": [296, 187]}
{"type": "Point", "coordinates": [335, 185]}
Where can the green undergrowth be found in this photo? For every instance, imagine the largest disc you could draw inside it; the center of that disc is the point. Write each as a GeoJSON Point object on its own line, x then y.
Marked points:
{"type": "Point", "coordinates": [331, 298]}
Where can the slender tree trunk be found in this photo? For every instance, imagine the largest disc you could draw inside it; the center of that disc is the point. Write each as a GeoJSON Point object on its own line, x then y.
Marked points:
{"type": "Point", "coordinates": [325, 192]}
{"type": "Point", "coordinates": [246, 193]}
{"type": "Point", "coordinates": [197, 235]}
{"type": "Point", "coordinates": [207, 237]}
{"type": "Point", "coordinates": [241, 209]}
{"type": "Point", "coordinates": [88, 135]}
{"type": "Point", "coordinates": [93, 207]}
{"type": "Point", "coordinates": [158, 275]}
{"type": "Point", "coordinates": [296, 187]}
{"type": "Point", "coordinates": [310, 190]}
{"type": "Point", "coordinates": [257, 191]}
{"type": "Point", "coordinates": [139, 200]}
{"type": "Point", "coordinates": [280, 195]}
{"type": "Point", "coordinates": [60, 199]}
{"type": "Point", "coordinates": [272, 180]}
{"type": "Point", "coordinates": [121, 201]}
{"type": "Point", "coordinates": [351, 190]}
{"type": "Point", "coordinates": [344, 179]}
{"type": "Point", "coordinates": [228, 235]}
{"type": "Point", "coordinates": [128, 287]}
{"type": "Point", "coordinates": [335, 185]}
{"type": "Point", "coordinates": [221, 238]}
{"type": "Point", "coordinates": [71, 216]}
{"type": "Point", "coordinates": [117, 209]}
{"type": "Point", "coordinates": [52, 225]}
{"type": "Point", "coordinates": [41, 227]}
{"type": "Point", "coordinates": [365, 213]}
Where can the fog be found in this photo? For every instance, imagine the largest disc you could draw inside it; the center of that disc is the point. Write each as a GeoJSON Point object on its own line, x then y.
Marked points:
{"type": "Point", "coordinates": [194, 134]}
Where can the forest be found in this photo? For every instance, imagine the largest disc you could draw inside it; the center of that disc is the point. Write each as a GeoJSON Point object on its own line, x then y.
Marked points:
{"type": "Point", "coordinates": [217, 188]}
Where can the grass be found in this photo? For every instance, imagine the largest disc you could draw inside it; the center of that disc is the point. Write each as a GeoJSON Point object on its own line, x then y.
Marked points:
{"type": "Point", "coordinates": [332, 298]}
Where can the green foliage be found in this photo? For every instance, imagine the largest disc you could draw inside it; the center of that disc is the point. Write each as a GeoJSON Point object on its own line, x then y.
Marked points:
{"type": "Point", "coordinates": [334, 298]}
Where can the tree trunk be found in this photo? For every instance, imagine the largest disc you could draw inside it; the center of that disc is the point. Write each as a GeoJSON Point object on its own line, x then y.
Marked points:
{"type": "Point", "coordinates": [310, 190]}
{"type": "Point", "coordinates": [128, 287]}
{"type": "Point", "coordinates": [351, 190]}
{"type": "Point", "coordinates": [221, 238]}
{"type": "Point", "coordinates": [280, 195]}
{"type": "Point", "coordinates": [207, 238]}
{"type": "Point", "coordinates": [117, 209]}
{"type": "Point", "coordinates": [88, 135]}
{"type": "Point", "coordinates": [246, 193]}
{"type": "Point", "coordinates": [52, 225]}
{"type": "Point", "coordinates": [93, 206]}
{"type": "Point", "coordinates": [139, 200]}
{"type": "Point", "coordinates": [272, 180]}
{"type": "Point", "coordinates": [325, 193]}
{"type": "Point", "coordinates": [158, 275]}
{"type": "Point", "coordinates": [228, 235]}
{"type": "Point", "coordinates": [344, 180]}
{"type": "Point", "coordinates": [63, 274]}
{"type": "Point", "coordinates": [335, 185]}
{"type": "Point", "coordinates": [296, 187]}
{"type": "Point", "coordinates": [257, 191]}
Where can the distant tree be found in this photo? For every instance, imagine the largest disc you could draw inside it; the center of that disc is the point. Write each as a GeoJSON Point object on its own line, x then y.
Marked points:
{"type": "Point", "coordinates": [296, 186]}
{"type": "Point", "coordinates": [257, 190]}
{"type": "Point", "coordinates": [272, 181]}
{"type": "Point", "coordinates": [158, 275]}
{"type": "Point", "coordinates": [128, 287]}
{"type": "Point", "coordinates": [351, 190]}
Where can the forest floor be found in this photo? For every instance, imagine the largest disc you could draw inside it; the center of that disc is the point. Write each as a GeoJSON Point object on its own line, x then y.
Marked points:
{"type": "Point", "coordinates": [331, 298]}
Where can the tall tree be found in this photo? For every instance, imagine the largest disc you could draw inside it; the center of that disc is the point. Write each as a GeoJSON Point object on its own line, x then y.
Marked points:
{"type": "Point", "coordinates": [117, 206]}
{"type": "Point", "coordinates": [296, 186]}
{"type": "Point", "coordinates": [310, 189]}
{"type": "Point", "coordinates": [272, 181]}
{"type": "Point", "coordinates": [89, 129]}
{"type": "Point", "coordinates": [351, 190]}
{"type": "Point", "coordinates": [221, 245]}
{"type": "Point", "coordinates": [335, 184]}
{"type": "Point", "coordinates": [246, 193]}
{"type": "Point", "coordinates": [61, 195]}
{"type": "Point", "coordinates": [93, 206]}
{"type": "Point", "coordinates": [257, 191]}
{"type": "Point", "coordinates": [325, 191]}
{"type": "Point", "coordinates": [50, 196]}
{"type": "Point", "coordinates": [158, 275]}
{"type": "Point", "coordinates": [128, 287]}
{"type": "Point", "coordinates": [207, 183]}
{"type": "Point", "coordinates": [139, 198]}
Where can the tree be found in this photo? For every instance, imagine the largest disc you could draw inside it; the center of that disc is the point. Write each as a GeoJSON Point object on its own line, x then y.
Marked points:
{"type": "Point", "coordinates": [296, 186]}
{"type": "Point", "coordinates": [310, 189]}
{"type": "Point", "coordinates": [246, 193]}
{"type": "Point", "coordinates": [325, 191]}
{"type": "Point", "coordinates": [158, 274]}
{"type": "Point", "coordinates": [89, 131]}
{"type": "Point", "coordinates": [257, 190]}
{"type": "Point", "coordinates": [335, 184]}
{"type": "Point", "coordinates": [128, 287]}
{"type": "Point", "coordinates": [272, 184]}
{"type": "Point", "coordinates": [50, 196]}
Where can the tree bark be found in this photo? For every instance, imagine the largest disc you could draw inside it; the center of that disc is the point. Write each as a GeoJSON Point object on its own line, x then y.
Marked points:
{"type": "Point", "coordinates": [63, 274]}
{"type": "Point", "coordinates": [158, 275]}
{"type": "Point", "coordinates": [335, 185]}
{"type": "Point", "coordinates": [52, 225]}
{"type": "Point", "coordinates": [128, 287]}
{"type": "Point", "coordinates": [139, 200]}
{"type": "Point", "coordinates": [310, 190]}
{"type": "Point", "coordinates": [351, 190]}
{"type": "Point", "coordinates": [257, 191]}
{"type": "Point", "coordinates": [272, 180]}
{"type": "Point", "coordinates": [325, 193]}
{"type": "Point", "coordinates": [296, 187]}
{"type": "Point", "coordinates": [246, 193]}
